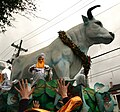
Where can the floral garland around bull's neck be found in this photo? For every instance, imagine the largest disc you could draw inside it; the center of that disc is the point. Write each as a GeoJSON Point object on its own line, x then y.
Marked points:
{"type": "Point", "coordinates": [86, 61]}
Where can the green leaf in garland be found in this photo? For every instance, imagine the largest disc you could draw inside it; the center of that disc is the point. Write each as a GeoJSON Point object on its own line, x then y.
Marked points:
{"type": "Point", "coordinates": [50, 92]}
{"type": "Point", "coordinates": [91, 92]}
{"type": "Point", "coordinates": [52, 83]}
{"type": "Point", "coordinates": [40, 83]}
{"type": "Point", "coordinates": [38, 92]}
{"type": "Point", "coordinates": [49, 106]}
{"type": "Point", "coordinates": [40, 88]}
{"type": "Point", "coordinates": [43, 100]}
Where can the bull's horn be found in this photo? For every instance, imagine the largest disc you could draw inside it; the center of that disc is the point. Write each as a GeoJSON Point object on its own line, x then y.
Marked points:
{"type": "Point", "coordinates": [89, 13]}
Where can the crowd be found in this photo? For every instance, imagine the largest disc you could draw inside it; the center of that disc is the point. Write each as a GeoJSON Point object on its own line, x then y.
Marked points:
{"type": "Point", "coordinates": [25, 92]}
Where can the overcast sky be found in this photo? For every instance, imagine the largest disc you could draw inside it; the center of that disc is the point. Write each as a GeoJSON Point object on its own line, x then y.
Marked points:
{"type": "Point", "coordinates": [56, 15]}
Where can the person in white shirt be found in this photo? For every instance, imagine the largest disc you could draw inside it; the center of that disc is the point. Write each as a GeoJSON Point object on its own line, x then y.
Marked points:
{"type": "Point", "coordinates": [6, 84]}
{"type": "Point", "coordinates": [7, 71]}
{"type": "Point", "coordinates": [40, 70]}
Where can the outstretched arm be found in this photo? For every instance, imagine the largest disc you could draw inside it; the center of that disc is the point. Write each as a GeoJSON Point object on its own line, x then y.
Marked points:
{"type": "Point", "coordinates": [63, 90]}
{"type": "Point", "coordinates": [25, 93]}
{"type": "Point", "coordinates": [24, 90]}
{"type": "Point", "coordinates": [69, 103]}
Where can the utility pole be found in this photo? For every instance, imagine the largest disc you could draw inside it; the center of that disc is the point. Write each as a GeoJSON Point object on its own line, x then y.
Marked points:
{"type": "Point", "coordinates": [19, 47]}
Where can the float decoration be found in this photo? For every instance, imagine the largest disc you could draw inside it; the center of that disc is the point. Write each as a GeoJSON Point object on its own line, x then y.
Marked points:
{"type": "Point", "coordinates": [86, 61]}
{"type": "Point", "coordinates": [45, 93]}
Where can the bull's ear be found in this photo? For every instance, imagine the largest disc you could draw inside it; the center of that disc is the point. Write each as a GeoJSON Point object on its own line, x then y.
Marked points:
{"type": "Point", "coordinates": [85, 20]}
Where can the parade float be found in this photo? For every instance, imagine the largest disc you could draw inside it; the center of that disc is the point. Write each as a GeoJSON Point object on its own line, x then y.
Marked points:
{"type": "Point", "coordinates": [66, 55]}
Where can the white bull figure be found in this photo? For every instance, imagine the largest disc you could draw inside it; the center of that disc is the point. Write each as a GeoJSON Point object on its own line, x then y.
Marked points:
{"type": "Point", "coordinates": [59, 56]}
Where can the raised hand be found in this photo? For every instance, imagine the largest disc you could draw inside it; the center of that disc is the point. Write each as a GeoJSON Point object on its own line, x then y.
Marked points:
{"type": "Point", "coordinates": [36, 104]}
{"type": "Point", "coordinates": [24, 89]}
{"type": "Point", "coordinates": [62, 88]}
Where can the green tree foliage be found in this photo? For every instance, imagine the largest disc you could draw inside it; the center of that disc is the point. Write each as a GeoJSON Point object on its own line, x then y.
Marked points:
{"type": "Point", "coordinates": [10, 7]}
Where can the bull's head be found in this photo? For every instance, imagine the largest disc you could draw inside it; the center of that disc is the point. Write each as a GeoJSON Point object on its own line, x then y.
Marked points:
{"type": "Point", "coordinates": [94, 29]}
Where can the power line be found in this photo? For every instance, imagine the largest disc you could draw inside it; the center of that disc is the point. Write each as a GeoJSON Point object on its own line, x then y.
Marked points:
{"type": "Point", "coordinates": [41, 42]}
{"type": "Point", "coordinates": [69, 16]}
{"type": "Point", "coordinates": [90, 77]}
{"type": "Point", "coordinates": [59, 21]}
{"type": "Point", "coordinates": [108, 8]}
{"type": "Point", "coordinates": [51, 19]}
{"type": "Point", "coordinates": [106, 59]}
{"type": "Point", "coordinates": [4, 50]}
{"type": "Point", "coordinates": [64, 18]}
{"type": "Point", "coordinates": [105, 53]}
{"type": "Point", "coordinates": [105, 70]}
{"type": "Point", "coordinates": [7, 53]}
{"type": "Point", "coordinates": [45, 23]}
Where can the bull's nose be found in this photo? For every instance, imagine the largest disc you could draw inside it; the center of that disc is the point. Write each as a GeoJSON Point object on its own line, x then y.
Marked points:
{"type": "Point", "coordinates": [112, 34]}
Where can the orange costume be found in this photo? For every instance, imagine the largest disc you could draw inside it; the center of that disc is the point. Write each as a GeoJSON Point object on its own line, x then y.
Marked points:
{"type": "Point", "coordinates": [71, 104]}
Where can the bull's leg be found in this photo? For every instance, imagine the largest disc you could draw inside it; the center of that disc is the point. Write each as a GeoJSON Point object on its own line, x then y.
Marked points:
{"type": "Point", "coordinates": [62, 69]}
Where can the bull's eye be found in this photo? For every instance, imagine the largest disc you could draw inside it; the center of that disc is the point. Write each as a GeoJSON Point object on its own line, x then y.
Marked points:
{"type": "Point", "coordinates": [99, 23]}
